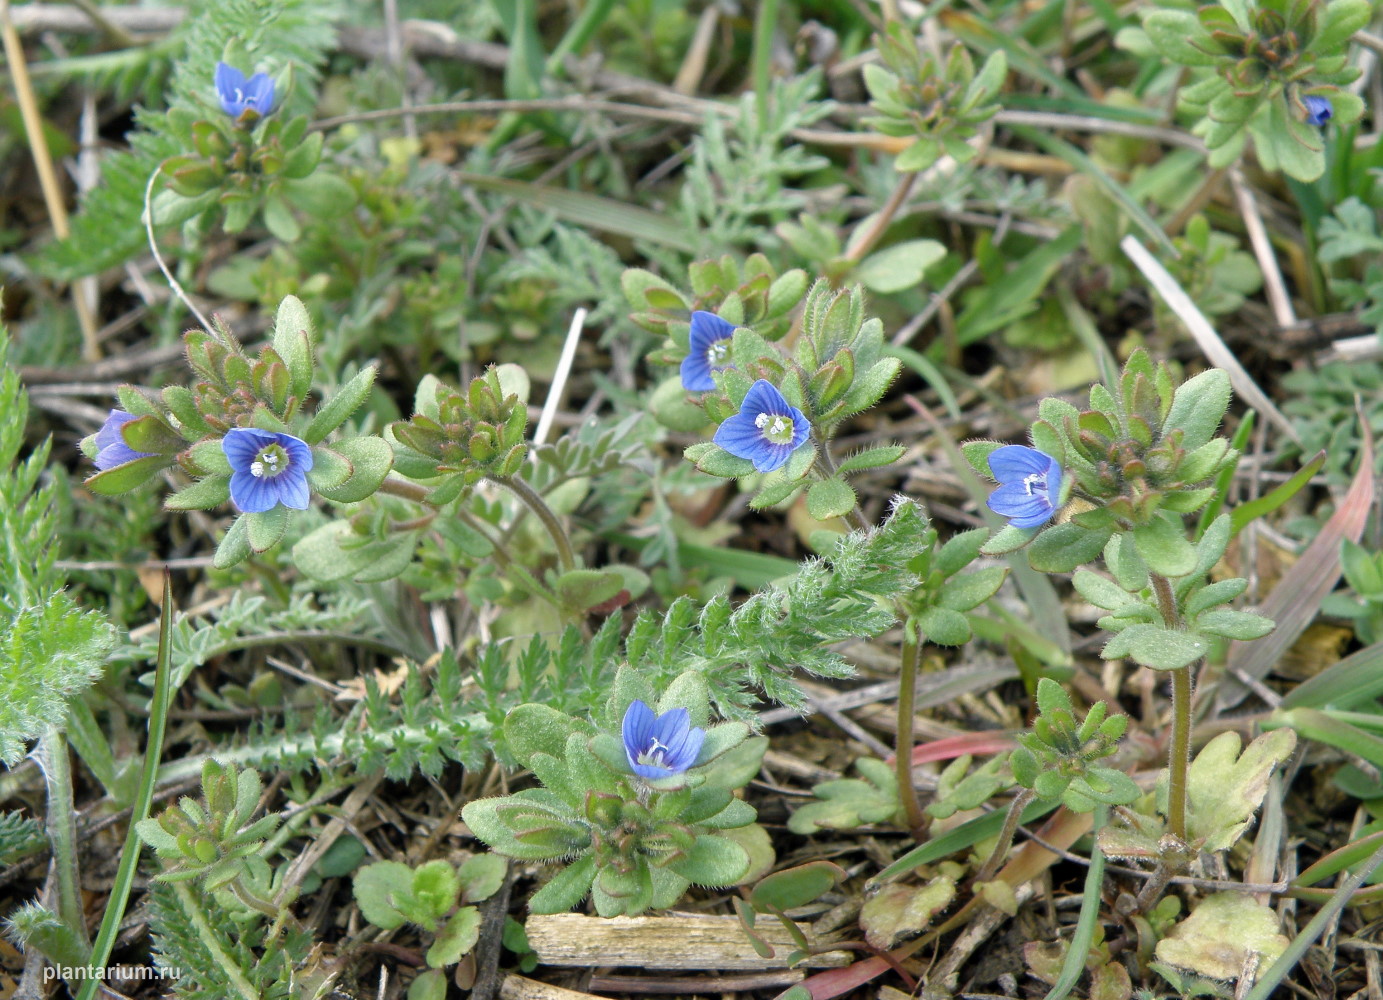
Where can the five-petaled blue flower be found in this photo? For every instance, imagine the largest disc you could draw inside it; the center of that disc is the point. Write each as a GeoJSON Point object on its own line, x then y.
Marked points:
{"type": "Point", "coordinates": [766, 430]}
{"type": "Point", "coordinates": [659, 746]}
{"type": "Point", "coordinates": [111, 449]}
{"type": "Point", "coordinates": [1318, 110]}
{"type": "Point", "coordinates": [1029, 485]}
{"type": "Point", "coordinates": [239, 95]}
{"type": "Point", "coordinates": [710, 350]}
{"type": "Point", "coordinates": [267, 469]}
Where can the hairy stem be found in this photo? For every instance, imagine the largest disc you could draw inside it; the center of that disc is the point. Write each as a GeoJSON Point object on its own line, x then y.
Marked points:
{"type": "Point", "coordinates": [235, 976]}
{"type": "Point", "coordinates": [902, 754]}
{"type": "Point", "coordinates": [403, 488]}
{"type": "Point", "coordinates": [62, 829]}
{"type": "Point", "coordinates": [1179, 750]}
{"type": "Point", "coordinates": [1015, 813]}
{"type": "Point", "coordinates": [535, 503]}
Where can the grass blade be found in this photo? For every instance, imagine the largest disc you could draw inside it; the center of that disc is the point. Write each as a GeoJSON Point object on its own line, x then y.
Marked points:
{"type": "Point", "coordinates": [129, 857]}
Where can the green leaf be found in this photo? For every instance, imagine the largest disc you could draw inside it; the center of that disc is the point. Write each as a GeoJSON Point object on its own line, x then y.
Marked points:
{"type": "Point", "coordinates": [334, 412]}
{"type": "Point", "coordinates": [211, 491]}
{"type": "Point", "coordinates": [210, 457]}
{"type": "Point", "coordinates": [279, 219]}
{"type": "Point", "coordinates": [537, 728]}
{"type": "Point", "coordinates": [899, 267]}
{"type": "Point", "coordinates": [370, 458]}
{"type": "Point", "coordinates": [716, 461]}
{"type": "Point", "coordinates": [1163, 545]}
{"type": "Point", "coordinates": [1158, 647]}
{"type": "Point", "coordinates": [1234, 624]}
{"type": "Point", "coordinates": [794, 887]}
{"type": "Point", "coordinates": [265, 528]}
{"type": "Point", "coordinates": [1101, 592]}
{"type": "Point", "coordinates": [967, 591]}
{"type": "Point", "coordinates": [943, 626]}
{"type": "Point", "coordinates": [329, 469]}
{"type": "Point", "coordinates": [293, 343]}
{"type": "Point", "coordinates": [1062, 548]}
{"type": "Point", "coordinates": [1198, 407]}
{"type": "Point", "coordinates": [830, 498]}
{"type": "Point", "coordinates": [712, 861]}
{"type": "Point", "coordinates": [458, 937]}
{"type": "Point", "coordinates": [431, 984]}
{"type": "Point", "coordinates": [1009, 539]}
{"type": "Point", "coordinates": [1175, 33]}
{"type": "Point", "coordinates": [235, 546]}
{"type": "Point", "coordinates": [566, 889]}
{"type": "Point", "coordinates": [131, 475]}
{"type": "Point", "coordinates": [375, 887]}
{"type": "Point", "coordinates": [872, 458]}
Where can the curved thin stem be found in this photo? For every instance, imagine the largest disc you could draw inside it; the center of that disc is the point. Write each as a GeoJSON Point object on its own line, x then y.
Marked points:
{"type": "Point", "coordinates": [1011, 820]}
{"type": "Point", "coordinates": [1179, 749]}
{"type": "Point", "coordinates": [526, 493]}
{"type": "Point", "coordinates": [62, 828]}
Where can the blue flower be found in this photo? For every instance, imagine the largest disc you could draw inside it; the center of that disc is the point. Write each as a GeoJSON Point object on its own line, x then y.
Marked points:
{"type": "Point", "coordinates": [710, 350]}
{"type": "Point", "coordinates": [111, 449]}
{"type": "Point", "coordinates": [766, 430]}
{"type": "Point", "coordinates": [1318, 110]}
{"type": "Point", "coordinates": [659, 746]}
{"type": "Point", "coordinates": [239, 95]}
{"type": "Point", "coordinates": [1029, 485]}
{"type": "Point", "coordinates": [267, 469]}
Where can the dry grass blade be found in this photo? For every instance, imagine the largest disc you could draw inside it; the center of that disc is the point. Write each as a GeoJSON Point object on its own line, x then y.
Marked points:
{"type": "Point", "coordinates": [1210, 343]}
{"type": "Point", "coordinates": [1297, 597]}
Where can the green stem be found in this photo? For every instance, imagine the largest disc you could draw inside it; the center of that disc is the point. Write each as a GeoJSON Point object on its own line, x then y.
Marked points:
{"type": "Point", "coordinates": [1010, 827]}
{"type": "Point", "coordinates": [233, 973]}
{"type": "Point", "coordinates": [62, 830]}
{"type": "Point", "coordinates": [1179, 750]}
{"type": "Point", "coordinates": [535, 503]}
{"type": "Point", "coordinates": [403, 488]}
{"type": "Point", "coordinates": [144, 797]}
{"type": "Point", "coordinates": [902, 754]}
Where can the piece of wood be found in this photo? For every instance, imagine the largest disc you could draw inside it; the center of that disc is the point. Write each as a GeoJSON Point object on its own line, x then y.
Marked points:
{"type": "Point", "coordinates": [519, 988]}
{"type": "Point", "coordinates": [692, 942]}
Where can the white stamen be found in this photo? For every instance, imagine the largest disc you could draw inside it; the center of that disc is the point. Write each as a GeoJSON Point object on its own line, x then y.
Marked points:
{"type": "Point", "coordinates": [760, 420]}
{"type": "Point", "coordinates": [257, 469]}
{"type": "Point", "coordinates": [1030, 481]}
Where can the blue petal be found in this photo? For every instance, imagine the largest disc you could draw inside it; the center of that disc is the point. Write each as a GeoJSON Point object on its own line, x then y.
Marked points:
{"type": "Point", "coordinates": [1033, 520]}
{"type": "Point", "coordinates": [230, 85]}
{"type": "Point", "coordinates": [696, 372]}
{"type": "Point", "coordinates": [651, 771]}
{"type": "Point", "coordinates": [109, 433]}
{"type": "Point", "coordinates": [1318, 110]}
{"type": "Point", "coordinates": [291, 486]}
{"type": "Point", "coordinates": [299, 452]}
{"type": "Point", "coordinates": [259, 93]}
{"type": "Point", "coordinates": [691, 748]}
{"type": "Point", "coordinates": [251, 493]}
{"type": "Point", "coordinates": [242, 446]}
{"type": "Point", "coordinates": [739, 436]}
{"type": "Point", "coordinates": [1015, 461]}
{"type": "Point", "coordinates": [772, 456]}
{"type": "Point", "coordinates": [763, 397]}
{"type": "Point", "coordinates": [706, 329]}
{"type": "Point", "coordinates": [116, 454]}
{"type": "Point", "coordinates": [637, 727]}
{"type": "Point", "coordinates": [671, 730]}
